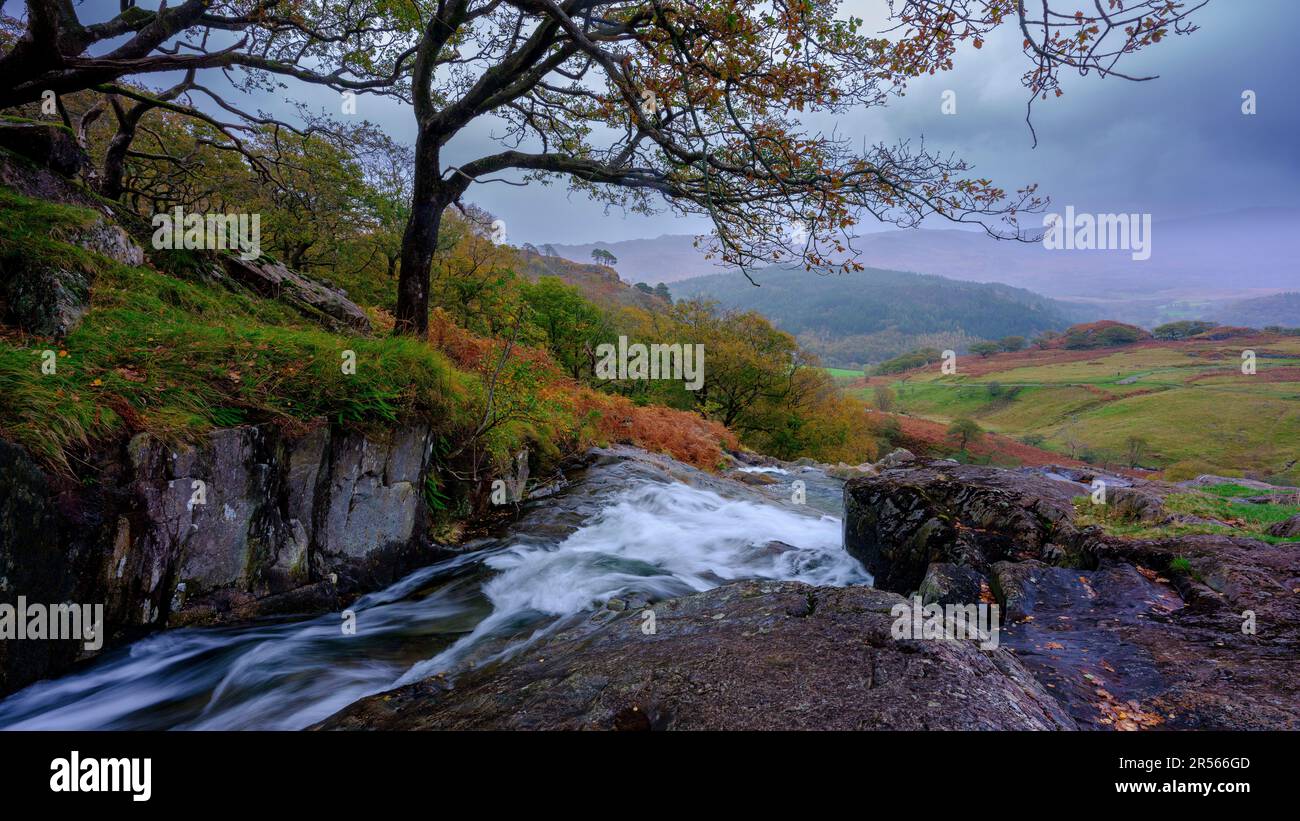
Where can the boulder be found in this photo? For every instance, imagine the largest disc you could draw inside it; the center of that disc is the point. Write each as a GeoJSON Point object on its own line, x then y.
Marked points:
{"type": "Point", "coordinates": [901, 521]}
{"type": "Point", "coordinates": [743, 656]}
{"type": "Point", "coordinates": [48, 299]}
{"type": "Point", "coordinates": [306, 295]}
{"type": "Point", "coordinates": [49, 146]}
{"type": "Point", "coordinates": [896, 457]}
{"type": "Point", "coordinates": [1287, 529]}
{"type": "Point", "coordinates": [952, 584]}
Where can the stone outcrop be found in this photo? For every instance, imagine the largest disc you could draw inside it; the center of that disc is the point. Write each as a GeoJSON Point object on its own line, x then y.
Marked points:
{"type": "Point", "coordinates": [246, 522]}
{"type": "Point", "coordinates": [1196, 631]}
{"type": "Point", "coordinates": [49, 299]}
{"type": "Point", "coordinates": [312, 298]}
{"type": "Point", "coordinates": [747, 655]}
{"type": "Point", "coordinates": [48, 146]}
{"type": "Point", "coordinates": [899, 522]}
{"type": "Point", "coordinates": [1287, 528]}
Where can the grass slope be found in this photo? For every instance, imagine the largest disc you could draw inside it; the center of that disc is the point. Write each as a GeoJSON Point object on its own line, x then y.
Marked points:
{"type": "Point", "coordinates": [1189, 401]}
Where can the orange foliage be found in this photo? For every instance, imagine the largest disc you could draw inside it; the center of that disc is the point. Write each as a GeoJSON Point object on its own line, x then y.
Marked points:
{"type": "Point", "coordinates": [597, 418]}
{"type": "Point", "coordinates": [683, 435]}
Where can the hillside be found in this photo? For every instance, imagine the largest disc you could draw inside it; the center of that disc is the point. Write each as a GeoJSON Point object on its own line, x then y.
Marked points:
{"type": "Point", "coordinates": [872, 315]}
{"type": "Point", "coordinates": [1277, 309]}
{"type": "Point", "coordinates": [1183, 407]}
{"type": "Point", "coordinates": [599, 283]}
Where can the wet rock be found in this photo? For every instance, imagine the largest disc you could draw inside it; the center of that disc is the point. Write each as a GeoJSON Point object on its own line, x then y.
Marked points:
{"type": "Point", "coordinates": [245, 522]}
{"type": "Point", "coordinates": [1015, 585]}
{"type": "Point", "coordinates": [1182, 632]}
{"type": "Point", "coordinates": [783, 655]}
{"type": "Point", "coordinates": [951, 584]}
{"type": "Point", "coordinates": [900, 522]}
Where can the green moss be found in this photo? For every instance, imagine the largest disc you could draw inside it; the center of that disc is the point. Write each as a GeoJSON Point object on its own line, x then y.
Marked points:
{"type": "Point", "coordinates": [1239, 518]}
{"type": "Point", "coordinates": [177, 356]}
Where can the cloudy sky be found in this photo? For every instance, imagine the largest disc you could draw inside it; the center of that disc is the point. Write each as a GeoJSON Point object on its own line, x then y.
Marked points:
{"type": "Point", "coordinates": [1177, 146]}
{"type": "Point", "coordinates": [1174, 147]}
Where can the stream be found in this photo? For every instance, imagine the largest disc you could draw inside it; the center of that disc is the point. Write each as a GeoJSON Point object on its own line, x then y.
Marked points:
{"type": "Point", "coordinates": [633, 525]}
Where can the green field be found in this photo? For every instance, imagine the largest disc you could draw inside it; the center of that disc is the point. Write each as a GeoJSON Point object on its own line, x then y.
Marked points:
{"type": "Point", "coordinates": [1190, 405]}
{"type": "Point", "coordinates": [843, 374]}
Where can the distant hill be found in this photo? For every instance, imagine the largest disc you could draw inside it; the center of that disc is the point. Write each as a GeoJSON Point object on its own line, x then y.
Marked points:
{"type": "Point", "coordinates": [1214, 257]}
{"type": "Point", "coordinates": [667, 258]}
{"type": "Point", "coordinates": [598, 283]}
{"type": "Point", "coordinates": [868, 316]}
{"type": "Point", "coordinates": [1278, 309]}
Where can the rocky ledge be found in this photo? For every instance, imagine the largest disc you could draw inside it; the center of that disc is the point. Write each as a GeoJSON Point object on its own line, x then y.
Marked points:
{"type": "Point", "coordinates": [1098, 632]}
{"type": "Point", "coordinates": [743, 656]}
{"type": "Point", "coordinates": [1197, 631]}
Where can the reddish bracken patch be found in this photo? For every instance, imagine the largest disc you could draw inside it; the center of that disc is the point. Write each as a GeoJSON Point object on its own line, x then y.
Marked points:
{"type": "Point", "coordinates": [683, 435]}
{"type": "Point", "coordinates": [928, 438]}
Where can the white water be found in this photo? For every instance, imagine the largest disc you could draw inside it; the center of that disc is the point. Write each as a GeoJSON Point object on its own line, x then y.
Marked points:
{"type": "Point", "coordinates": [655, 539]}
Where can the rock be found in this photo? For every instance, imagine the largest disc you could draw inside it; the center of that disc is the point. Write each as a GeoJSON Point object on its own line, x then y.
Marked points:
{"type": "Point", "coordinates": [747, 655]}
{"type": "Point", "coordinates": [1138, 504]}
{"type": "Point", "coordinates": [1015, 586]}
{"type": "Point", "coordinates": [1287, 529]}
{"type": "Point", "coordinates": [1122, 634]}
{"type": "Point", "coordinates": [49, 146]}
{"type": "Point", "coordinates": [1210, 480]}
{"type": "Point", "coordinates": [246, 522]}
{"type": "Point", "coordinates": [896, 457]}
{"type": "Point", "coordinates": [48, 299]}
{"type": "Point", "coordinates": [951, 584]}
{"type": "Point", "coordinates": [309, 297]}
{"type": "Point", "coordinates": [843, 471]}
{"type": "Point", "coordinates": [900, 522]}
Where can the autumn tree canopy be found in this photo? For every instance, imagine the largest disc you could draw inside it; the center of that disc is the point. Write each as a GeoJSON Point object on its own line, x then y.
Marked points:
{"type": "Point", "coordinates": [698, 105]}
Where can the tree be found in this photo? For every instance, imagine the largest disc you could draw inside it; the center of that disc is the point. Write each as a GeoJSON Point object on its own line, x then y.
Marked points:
{"type": "Point", "coordinates": [661, 291]}
{"type": "Point", "coordinates": [1181, 329]}
{"type": "Point", "coordinates": [965, 431]}
{"type": "Point", "coordinates": [1011, 343]}
{"type": "Point", "coordinates": [1135, 447]}
{"type": "Point", "coordinates": [603, 257]}
{"type": "Point", "coordinates": [1046, 338]}
{"type": "Point", "coordinates": [985, 348]}
{"type": "Point", "coordinates": [632, 102]}
{"type": "Point", "coordinates": [572, 325]}
{"type": "Point", "coordinates": [885, 398]}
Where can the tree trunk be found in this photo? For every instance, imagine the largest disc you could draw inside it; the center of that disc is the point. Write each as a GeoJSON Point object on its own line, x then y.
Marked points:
{"type": "Point", "coordinates": [115, 162]}
{"type": "Point", "coordinates": [419, 242]}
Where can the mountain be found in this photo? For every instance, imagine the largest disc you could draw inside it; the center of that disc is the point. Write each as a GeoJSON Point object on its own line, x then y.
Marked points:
{"type": "Point", "coordinates": [1215, 257]}
{"type": "Point", "coordinates": [850, 319]}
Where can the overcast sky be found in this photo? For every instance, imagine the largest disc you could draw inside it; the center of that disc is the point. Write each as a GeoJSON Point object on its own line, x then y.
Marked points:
{"type": "Point", "coordinates": [1174, 147]}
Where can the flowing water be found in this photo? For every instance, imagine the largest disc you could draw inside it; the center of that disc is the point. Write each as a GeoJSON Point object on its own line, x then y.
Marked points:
{"type": "Point", "coordinates": [638, 534]}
